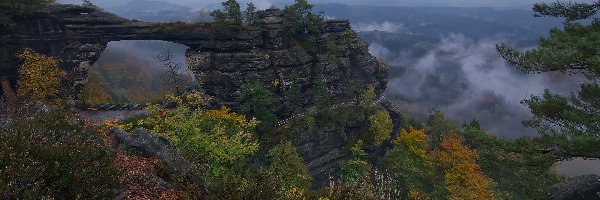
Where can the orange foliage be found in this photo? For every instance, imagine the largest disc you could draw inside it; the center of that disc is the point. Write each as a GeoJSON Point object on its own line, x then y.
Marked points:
{"type": "Point", "coordinates": [136, 169]}
{"type": "Point", "coordinates": [462, 175]}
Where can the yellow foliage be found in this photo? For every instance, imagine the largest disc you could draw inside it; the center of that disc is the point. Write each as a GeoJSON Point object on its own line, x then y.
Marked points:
{"type": "Point", "coordinates": [292, 193]}
{"type": "Point", "coordinates": [462, 175]}
{"type": "Point", "coordinates": [380, 126]}
{"type": "Point", "coordinates": [266, 56]}
{"type": "Point", "coordinates": [414, 140]}
{"type": "Point", "coordinates": [39, 76]}
{"type": "Point", "coordinates": [382, 64]}
{"type": "Point", "coordinates": [225, 114]}
{"type": "Point", "coordinates": [112, 123]}
{"type": "Point", "coordinates": [276, 82]}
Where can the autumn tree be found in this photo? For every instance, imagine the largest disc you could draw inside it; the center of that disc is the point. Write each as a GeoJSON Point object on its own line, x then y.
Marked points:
{"type": "Point", "coordinates": [94, 92]}
{"type": "Point", "coordinates": [380, 125]}
{"type": "Point", "coordinates": [39, 76]}
{"type": "Point", "coordinates": [214, 139]}
{"type": "Point", "coordinates": [463, 178]}
{"type": "Point", "coordinates": [409, 162]}
{"type": "Point", "coordinates": [231, 15]}
{"type": "Point", "coordinates": [570, 124]}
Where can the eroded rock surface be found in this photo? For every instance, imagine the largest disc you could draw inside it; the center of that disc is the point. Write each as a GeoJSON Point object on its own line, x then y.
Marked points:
{"type": "Point", "coordinates": [222, 59]}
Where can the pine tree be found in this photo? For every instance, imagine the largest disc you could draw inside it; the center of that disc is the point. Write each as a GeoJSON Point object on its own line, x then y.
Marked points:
{"type": "Point", "coordinates": [570, 124]}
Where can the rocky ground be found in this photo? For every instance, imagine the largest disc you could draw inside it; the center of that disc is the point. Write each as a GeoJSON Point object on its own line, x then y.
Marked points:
{"type": "Point", "coordinates": [140, 156]}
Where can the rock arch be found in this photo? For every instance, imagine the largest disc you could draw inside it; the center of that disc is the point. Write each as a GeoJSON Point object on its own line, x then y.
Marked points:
{"type": "Point", "coordinates": [221, 59]}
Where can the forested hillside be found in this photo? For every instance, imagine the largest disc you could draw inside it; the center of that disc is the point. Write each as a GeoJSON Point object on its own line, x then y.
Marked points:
{"type": "Point", "coordinates": [280, 104]}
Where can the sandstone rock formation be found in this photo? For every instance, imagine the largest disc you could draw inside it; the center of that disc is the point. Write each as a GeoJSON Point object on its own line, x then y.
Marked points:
{"type": "Point", "coordinates": [222, 59]}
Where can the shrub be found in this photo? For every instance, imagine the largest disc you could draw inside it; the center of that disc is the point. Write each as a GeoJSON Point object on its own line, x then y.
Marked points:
{"type": "Point", "coordinates": [46, 153]}
{"type": "Point", "coordinates": [39, 76]}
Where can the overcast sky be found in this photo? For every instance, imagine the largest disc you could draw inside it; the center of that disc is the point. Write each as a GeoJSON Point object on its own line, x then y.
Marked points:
{"type": "Point", "coordinates": [267, 3]}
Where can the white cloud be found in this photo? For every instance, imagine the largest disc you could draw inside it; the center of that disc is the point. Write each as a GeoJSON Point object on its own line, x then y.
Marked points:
{"type": "Point", "coordinates": [386, 26]}
{"type": "Point", "coordinates": [466, 79]}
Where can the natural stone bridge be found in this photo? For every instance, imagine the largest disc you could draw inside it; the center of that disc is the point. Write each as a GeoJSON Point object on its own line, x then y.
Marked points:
{"type": "Point", "coordinates": [222, 59]}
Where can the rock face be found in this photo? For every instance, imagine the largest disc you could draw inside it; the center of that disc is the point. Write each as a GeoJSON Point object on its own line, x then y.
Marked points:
{"type": "Point", "coordinates": [222, 59]}
{"type": "Point", "coordinates": [581, 187]}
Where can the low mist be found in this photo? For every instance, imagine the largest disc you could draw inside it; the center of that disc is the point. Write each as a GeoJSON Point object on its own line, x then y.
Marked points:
{"type": "Point", "coordinates": [466, 79]}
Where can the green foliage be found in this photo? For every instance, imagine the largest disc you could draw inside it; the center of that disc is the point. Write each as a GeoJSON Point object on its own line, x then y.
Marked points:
{"type": "Point", "coordinates": [356, 170]}
{"type": "Point", "coordinates": [513, 164]}
{"type": "Point", "coordinates": [572, 123]}
{"type": "Point", "coordinates": [10, 9]}
{"type": "Point", "coordinates": [45, 153]}
{"type": "Point", "coordinates": [321, 94]}
{"type": "Point", "coordinates": [231, 15]}
{"type": "Point", "coordinates": [295, 98]}
{"type": "Point", "coordinates": [299, 19]}
{"type": "Point", "coordinates": [571, 11]}
{"type": "Point", "coordinates": [408, 163]}
{"type": "Point", "coordinates": [287, 175]}
{"type": "Point", "coordinates": [212, 138]}
{"type": "Point", "coordinates": [256, 101]}
{"type": "Point", "coordinates": [367, 98]}
{"type": "Point", "coordinates": [354, 177]}
{"type": "Point", "coordinates": [89, 4]}
{"type": "Point", "coordinates": [250, 16]}
{"type": "Point", "coordinates": [380, 126]}
{"type": "Point", "coordinates": [437, 127]}
{"type": "Point", "coordinates": [569, 124]}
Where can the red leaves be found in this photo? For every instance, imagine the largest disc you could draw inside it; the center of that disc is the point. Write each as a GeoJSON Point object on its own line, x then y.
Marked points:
{"type": "Point", "coordinates": [138, 173]}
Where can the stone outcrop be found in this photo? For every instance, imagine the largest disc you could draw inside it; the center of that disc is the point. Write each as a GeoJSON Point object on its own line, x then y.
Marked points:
{"type": "Point", "coordinates": [146, 144]}
{"type": "Point", "coordinates": [222, 59]}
